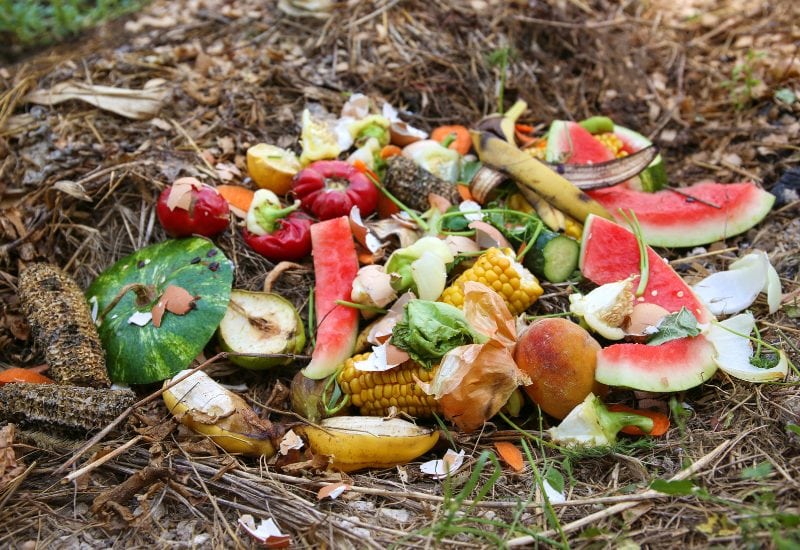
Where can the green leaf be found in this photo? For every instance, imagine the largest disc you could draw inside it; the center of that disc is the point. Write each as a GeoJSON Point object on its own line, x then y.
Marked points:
{"type": "Point", "coordinates": [428, 330]}
{"type": "Point", "coordinates": [455, 223]}
{"type": "Point", "coordinates": [675, 326]}
{"type": "Point", "coordinates": [759, 471]}
{"type": "Point", "coordinates": [785, 95]}
{"type": "Point", "coordinates": [555, 479]}
{"type": "Point", "coordinates": [765, 361]}
{"type": "Point", "coordinates": [794, 428]}
{"type": "Point", "coordinates": [680, 487]}
{"type": "Point", "coordinates": [144, 354]}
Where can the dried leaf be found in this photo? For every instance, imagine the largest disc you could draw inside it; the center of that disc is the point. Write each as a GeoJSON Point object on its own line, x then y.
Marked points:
{"type": "Point", "coordinates": [73, 189]}
{"type": "Point", "coordinates": [9, 467]}
{"type": "Point", "coordinates": [135, 104]}
{"type": "Point", "coordinates": [332, 490]}
{"type": "Point", "coordinates": [511, 454]}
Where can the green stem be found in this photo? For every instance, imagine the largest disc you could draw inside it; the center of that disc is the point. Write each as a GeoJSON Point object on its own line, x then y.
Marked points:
{"type": "Point", "coordinates": [414, 216]}
{"type": "Point", "coordinates": [363, 307]}
{"type": "Point", "coordinates": [644, 260]}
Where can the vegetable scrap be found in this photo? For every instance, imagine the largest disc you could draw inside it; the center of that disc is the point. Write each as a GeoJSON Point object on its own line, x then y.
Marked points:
{"type": "Point", "coordinates": [431, 256]}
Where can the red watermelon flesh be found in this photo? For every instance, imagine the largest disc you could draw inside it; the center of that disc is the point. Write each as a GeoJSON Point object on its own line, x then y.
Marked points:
{"type": "Point", "coordinates": [609, 253]}
{"type": "Point", "coordinates": [689, 216]}
{"type": "Point", "coordinates": [335, 268]}
{"type": "Point", "coordinates": [673, 366]}
{"type": "Point", "coordinates": [570, 143]}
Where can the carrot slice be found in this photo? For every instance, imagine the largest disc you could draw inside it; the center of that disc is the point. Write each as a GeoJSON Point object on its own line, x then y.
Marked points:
{"type": "Point", "coordinates": [660, 420]}
{"type": "Point", "coordinates": [459, 137]}
{"type": "Point", "coordinates": [464, 192]}
{"type": "Point", "coordinates": [390, 151]}
{"type": "Point", "coordinates": [237, 196]}
{"type": "Point", "coordinates": [17, 374]}
{"type": "Point", "coordinates": [511, 454]}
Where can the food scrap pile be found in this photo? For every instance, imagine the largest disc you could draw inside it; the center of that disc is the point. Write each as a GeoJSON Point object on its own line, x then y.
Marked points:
{"type": "Point", "coordinates": [430, 291]}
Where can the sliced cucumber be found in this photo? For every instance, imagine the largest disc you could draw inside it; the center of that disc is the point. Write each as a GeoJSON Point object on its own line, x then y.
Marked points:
{"type": "Point", "coordinates": [554, 256]}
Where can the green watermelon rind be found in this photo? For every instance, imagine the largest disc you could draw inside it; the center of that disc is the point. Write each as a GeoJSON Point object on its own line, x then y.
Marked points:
{"type": "Point", "coordinates": [713, 224]}
{"type": "Point", "coordinates": [142, 355]}
{"type": "Point", "coordinates": [673, 366]}
{"type": "Point", "coordinates": [652, 178]}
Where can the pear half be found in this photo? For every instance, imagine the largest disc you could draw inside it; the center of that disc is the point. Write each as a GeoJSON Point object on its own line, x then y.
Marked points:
{"type": "Point", "coordinates": [261, 323]}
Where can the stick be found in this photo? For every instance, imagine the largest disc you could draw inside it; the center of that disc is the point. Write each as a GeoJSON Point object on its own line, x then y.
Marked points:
{"type": "Point", "coordinates": [127, 412]}
{"type": "Point", "coordinates": [622, 506]}
{"type": "Point", "coordinates": [102, 460]}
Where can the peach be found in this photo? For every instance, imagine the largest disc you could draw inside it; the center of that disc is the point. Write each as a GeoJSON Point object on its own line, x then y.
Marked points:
{"type": "Point", "coordinates": [560, 357]}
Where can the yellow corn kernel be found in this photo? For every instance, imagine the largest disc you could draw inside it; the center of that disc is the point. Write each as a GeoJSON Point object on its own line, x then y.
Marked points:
{"type": "Point", "coordinates": [612, 143]}
{"type": "Point", "coordinates": [500, 271]}
{"type": "Point", "coordinates": [573, 228]}
{"type": "Point", "coordinates": [375, 392]}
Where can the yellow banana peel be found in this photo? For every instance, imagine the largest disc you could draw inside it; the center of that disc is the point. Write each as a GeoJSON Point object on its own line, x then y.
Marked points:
{"type": "Point", "coordinates": [537, 176]}
{"type": "Point", "coordinates": [205, 407]}
{"type": "Point", "coordinates": [358, 442]}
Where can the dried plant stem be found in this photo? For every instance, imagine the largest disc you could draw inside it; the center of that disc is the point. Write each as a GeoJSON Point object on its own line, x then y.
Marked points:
{"type": "Point", "coordinates": [156, 394]}
{"type": "Point", "coordinates": [102, 460]}
{"type": "Point", "coordinates": [622, 506]}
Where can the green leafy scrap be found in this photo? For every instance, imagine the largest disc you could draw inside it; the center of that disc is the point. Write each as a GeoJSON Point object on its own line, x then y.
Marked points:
{"type": "Point", "coordinates": [674, 326]}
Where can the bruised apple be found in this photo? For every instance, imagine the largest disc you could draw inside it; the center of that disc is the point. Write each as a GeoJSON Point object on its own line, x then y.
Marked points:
{"type": "Point", "coordinates": [560, 357]}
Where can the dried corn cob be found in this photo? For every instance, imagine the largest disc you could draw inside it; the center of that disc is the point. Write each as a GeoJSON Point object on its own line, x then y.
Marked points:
{"type": "Point", "coordinates": [374, 392]}
{"type": "Point", "coordinates": [499, 270]}
{"type": "Point", "coordinates": [62, 326]}
{"type": "Point", "coordinates": [60, 408]}
{"type": "Point", "coordinates": [410, 183]}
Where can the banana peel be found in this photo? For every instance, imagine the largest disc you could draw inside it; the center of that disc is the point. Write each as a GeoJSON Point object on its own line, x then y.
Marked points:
{"type": "Point", "coordinates": [359, 442]}
{"type": "Point", "coordinates": [205, 407]}
{"type": "Point", "coordinates": [536, 176]}
{"type": "Point", "coordinates": [503, 125]}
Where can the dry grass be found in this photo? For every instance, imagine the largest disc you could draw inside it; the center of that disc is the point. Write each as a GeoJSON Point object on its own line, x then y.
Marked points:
{"type": "Point", "coordinates": [240, 73]}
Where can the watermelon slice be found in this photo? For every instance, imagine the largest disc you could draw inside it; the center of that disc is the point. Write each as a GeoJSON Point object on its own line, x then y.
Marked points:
{"type": "Point", "coordinates": [570, 143]}
{"type": "Point", "coordinates": [609, 253]}
{"type": "Point", "coordinates": [673, 366]}
{"type": "Point", "coordinates": [652, 178]}
{"type": "Point", "coordinates": [574, 143]}
{"type": "Point", "coordinates": [699, 214]}
{"type": "Point", "coordinates": [335, 268]}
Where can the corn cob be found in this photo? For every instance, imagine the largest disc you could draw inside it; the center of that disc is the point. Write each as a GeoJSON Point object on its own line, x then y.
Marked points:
{"type": "Point", "coordinates": [411, 184]}
{"type": "Point", "coordinates": [499, 270]}
{"type": "Point", "coordinates": [374, 392]}
{"type": "Point", "coordinates": [62, 326]}
{"type": "Point", "coordinates": [62, 409]}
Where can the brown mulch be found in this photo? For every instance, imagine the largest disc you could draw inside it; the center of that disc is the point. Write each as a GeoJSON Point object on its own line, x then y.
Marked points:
{"type": "Point", "coordinates": [701, 78]}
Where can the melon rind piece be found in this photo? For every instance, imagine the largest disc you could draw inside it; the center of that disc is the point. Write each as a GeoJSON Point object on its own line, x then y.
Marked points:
{"type": "Point", "coordinates": [570, 143]}
{"type": "Point", "coordinates": [673, 366]}
{"type": "Point", "coordinates": [672, 219]}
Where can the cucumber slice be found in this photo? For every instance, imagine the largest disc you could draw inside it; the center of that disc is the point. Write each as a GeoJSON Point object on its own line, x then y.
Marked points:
{"type": "Point", "coordinates": [554, 257]}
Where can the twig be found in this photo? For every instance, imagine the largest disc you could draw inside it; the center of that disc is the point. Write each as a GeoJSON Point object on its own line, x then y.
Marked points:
{"type": "Point", "coordinates": [102, 460]}
{"type": "Point", "coordinates": [696, 199]}
{"type": "Point", "coordinates": [622, 506]}
{"type": "Point", "coordinates": [127, 412]}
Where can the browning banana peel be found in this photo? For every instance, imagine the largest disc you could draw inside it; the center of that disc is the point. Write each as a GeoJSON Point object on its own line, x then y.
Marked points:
{"type": "Point", "coordinates": [535, 175]}
{"type": "Point", "coordinates": [358, 442]}
{"type": "Point", "coordinates": [203, 406]}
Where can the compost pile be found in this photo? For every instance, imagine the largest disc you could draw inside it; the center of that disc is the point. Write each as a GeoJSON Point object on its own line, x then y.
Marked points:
{"type": "Point", "coordinates": [179, 97]}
